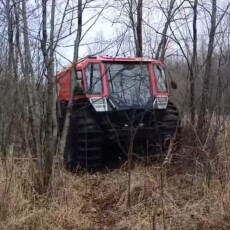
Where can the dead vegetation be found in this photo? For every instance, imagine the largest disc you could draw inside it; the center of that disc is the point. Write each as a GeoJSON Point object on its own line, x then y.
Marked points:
{"type": "Point", "coordinates": [190, 192]}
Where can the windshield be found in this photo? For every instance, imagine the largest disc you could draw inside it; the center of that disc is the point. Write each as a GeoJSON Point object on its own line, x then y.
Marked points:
{"type": "Point", "coordinates": [129, 84]}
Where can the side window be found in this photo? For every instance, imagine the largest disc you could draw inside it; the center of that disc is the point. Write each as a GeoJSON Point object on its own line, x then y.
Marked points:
{"type": "Point", "coordinates": [93, 78]}
{"type": "Point", "coordinates": [78, 90]}
{"type": "Point", "coordinates": [160, 78]}
{"type": "Point", "coordinates": [79, 76]}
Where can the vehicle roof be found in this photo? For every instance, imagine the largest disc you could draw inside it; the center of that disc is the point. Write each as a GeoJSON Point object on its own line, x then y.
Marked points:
{"type": "Point", "coordinates": [82, 61]}
{"type": "Point", "coordinates": [117, 58]}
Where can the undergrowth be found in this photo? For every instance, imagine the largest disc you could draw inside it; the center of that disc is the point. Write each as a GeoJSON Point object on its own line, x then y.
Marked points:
{"type": "Point", "coordinates": [192, 191]}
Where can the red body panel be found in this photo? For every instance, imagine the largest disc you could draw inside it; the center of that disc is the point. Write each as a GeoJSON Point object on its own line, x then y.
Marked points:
{"type": "Point", "coordinates": [64, 85]}
{"type": "Point", "coordinates": [63, 78]}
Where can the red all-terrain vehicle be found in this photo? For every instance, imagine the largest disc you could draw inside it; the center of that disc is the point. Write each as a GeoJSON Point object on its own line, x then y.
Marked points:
{"type": "Point", "coordinates": [115, 99]}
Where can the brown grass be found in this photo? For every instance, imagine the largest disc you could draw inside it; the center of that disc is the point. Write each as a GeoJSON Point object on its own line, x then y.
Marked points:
{"type": "Point", "coordinates": [185, 194]}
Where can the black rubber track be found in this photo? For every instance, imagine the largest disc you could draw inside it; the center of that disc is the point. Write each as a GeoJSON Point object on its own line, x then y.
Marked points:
{"type": "Point", "coordinates": [85, 143]}
{"type": "Point", "coordinates": [169, 125]}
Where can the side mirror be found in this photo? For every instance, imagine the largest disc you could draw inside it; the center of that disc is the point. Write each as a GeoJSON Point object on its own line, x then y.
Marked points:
{"type": "Point", "coordinates": [173, 84]}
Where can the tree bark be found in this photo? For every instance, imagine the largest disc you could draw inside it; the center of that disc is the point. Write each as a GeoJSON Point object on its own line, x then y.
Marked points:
{"type": "Point", "coordinates": [73, 77]}
{"type": "Point", "coordinates": [136, 24]}
{"type": "Point", "coordinates": [10, 35]}
{"type": "Point", "coordinates": [139, 47]}
{"type": "Point", "coordinates": [160, 54]}
{"type": "Point", "coordinates": [193, 69]}
{"type": "Point", "coordinates": [207, 73]}
{"type": "Point", "coordinates": [30, 86]}
{"type": "Point", "coordinates": [48, 55]}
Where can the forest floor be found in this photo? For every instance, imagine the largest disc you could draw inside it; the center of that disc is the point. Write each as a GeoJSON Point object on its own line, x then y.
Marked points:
{"type": "Point", "coordinates": [186, 194]}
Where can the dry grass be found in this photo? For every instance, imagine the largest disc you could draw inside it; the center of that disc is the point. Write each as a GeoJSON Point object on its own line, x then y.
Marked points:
{"type": "Point", "coordinates": [182, 195]}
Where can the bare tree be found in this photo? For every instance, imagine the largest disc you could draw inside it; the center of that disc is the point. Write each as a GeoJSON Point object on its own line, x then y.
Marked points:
{"type": "Point", "coordinates": [51, 122]}
{"type": "Point", "coordinates": [73, 75]}
{"type": "Point", "coordinates": [135, 17]}
{"type": "Point", "coordinates": [139, 47]}
{"type": "Point", "coordinates": [208, 65]}
{"type": "Point", "coordinates": [206, 93]}
{"type": "Point", "coordinates": [130, 15]}
{"type": "Point", "coordinates": [169, 13]}
{"type": "Point", "coordinates": [193, 67]}
{"type": "Point", "coordinates": [160, 54]}
{"type": "Point", "coordinates": [28, 72]}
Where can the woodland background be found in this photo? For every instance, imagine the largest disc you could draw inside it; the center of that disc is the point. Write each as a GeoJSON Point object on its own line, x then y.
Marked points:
{"type": "Point", "coordinates": [188, 191]}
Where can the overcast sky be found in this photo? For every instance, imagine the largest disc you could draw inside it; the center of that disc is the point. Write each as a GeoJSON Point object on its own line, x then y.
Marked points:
{"type": "Point", "coordinates": [110, 25]}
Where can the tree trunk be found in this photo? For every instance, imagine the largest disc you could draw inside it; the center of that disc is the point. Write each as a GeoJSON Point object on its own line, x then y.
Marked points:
{"type": "Point", "coordinates": [207, 73]}
{"type": "Point", "coordinates": [162, 45]}
{"type": "Point", "coordinates": [139, 48]}
{"type": "Point", "coordinates": [73, 77]}
{"type": "Point", "coordinates": [132, 22]}
{"type": "Point", "coordinates": [48, 55]}
{"type": "Point", "coordinates": [193, 69]}
{"type": "Point", "coordinates": [30, 86]}
{"type": "Point", "coordinates": [9, 72]}
{"type": "Point", "coordinates": [10, 36]}
{"type": "Point", "coordinates": [136, 24]}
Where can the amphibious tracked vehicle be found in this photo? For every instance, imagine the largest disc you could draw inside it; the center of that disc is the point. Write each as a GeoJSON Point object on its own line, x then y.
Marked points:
{"type": "Point", "coordinates": [115, 100]}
